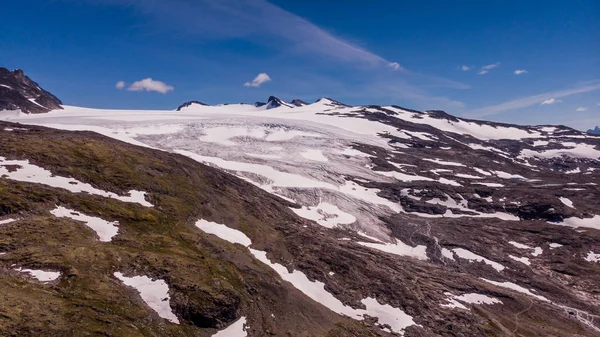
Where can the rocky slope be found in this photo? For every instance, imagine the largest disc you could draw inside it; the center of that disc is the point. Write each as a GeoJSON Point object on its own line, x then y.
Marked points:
{"type": "Point", "coordinates": [19, 92]}
{"type": "Point", "coordinates": [314, 219]}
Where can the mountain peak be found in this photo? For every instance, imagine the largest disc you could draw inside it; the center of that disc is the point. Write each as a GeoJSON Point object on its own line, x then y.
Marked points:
{"type": "Point", "coordinates": [332, 102]}
{"type": "Point", "coordinates": [274, 102]}
{"type": "Point", "coordinates": [189, 103]}
{"type": "Point", "coordinates": [19, 92]}
{"type": "Point", "coordinates": [298, 102]}
{"type": "Point", "coordinates": [594, 131]}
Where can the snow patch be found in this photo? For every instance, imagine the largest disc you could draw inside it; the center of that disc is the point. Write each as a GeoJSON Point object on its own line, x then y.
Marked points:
{"type": "Point", "coordinates": [566, 201]}
{"type": "Point", "coordinates": [41, 275]}
{"type": "Point", "coordinates": [524, 260]}
{"type": "Point", "coordinates": [154, 292]}
{"type": "Point", "coordinates": [517, 288]}
{"type": "Point", "coordinates": [236, 329]}
{"type": "Point", "coordinates": [468, 255]}
{"type": "Point", "coordinates": [105, 230]}
{"type": "Point", "coordinates": [27, 172]}
{"type": "Point", "coordinates": [224, 232]}
{"type": "Point", "coordinates": [7, 221]}
{"type": "Point", "coordinates": [592, 257]}
{"type": "Point", "coordinates": [399, 248]}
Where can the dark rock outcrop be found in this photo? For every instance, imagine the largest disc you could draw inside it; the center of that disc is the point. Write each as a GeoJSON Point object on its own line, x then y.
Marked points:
{"type": "Point", "coordinates": [19, 92]}
{"type": "Point", "coordinates": [298, 102]}
{"type": "Point", "coordinates": [186, 104]}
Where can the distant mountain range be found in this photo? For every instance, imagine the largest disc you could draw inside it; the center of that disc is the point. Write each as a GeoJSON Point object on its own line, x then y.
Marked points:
{"type": "Point", "coordinates": [594, 131]}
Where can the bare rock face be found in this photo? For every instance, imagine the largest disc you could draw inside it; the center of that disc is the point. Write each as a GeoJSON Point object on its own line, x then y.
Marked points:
{"type": "Point", "coordinates": [190, 103]}
{"type": "Point", "coordinates": [19, 92]}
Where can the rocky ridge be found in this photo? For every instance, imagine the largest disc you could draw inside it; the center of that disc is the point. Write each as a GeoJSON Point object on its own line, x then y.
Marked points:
{"type": "Point", "coordinates": [19, 92]}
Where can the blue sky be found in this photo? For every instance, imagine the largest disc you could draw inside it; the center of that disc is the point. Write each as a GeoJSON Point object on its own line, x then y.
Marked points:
{"type": "Point", "coordinates": [458, 56]}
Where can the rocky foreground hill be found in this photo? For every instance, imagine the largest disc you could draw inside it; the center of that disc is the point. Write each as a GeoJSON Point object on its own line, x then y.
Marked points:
{"type": "Point", "coordinates": [296, 219]}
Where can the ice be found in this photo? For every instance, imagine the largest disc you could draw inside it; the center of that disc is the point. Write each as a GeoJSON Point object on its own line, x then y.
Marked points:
{"type": "Point", "coordinates": [537, 251]}
{"type": "Point", "coordinates": [566, 201]}
{"type": "Point", "coordinates": [224, 232]}
{"type": "Point", "coordinates": [316, 155]}
{"type": "Point", "coordinates": [399, 248]}
{"type": "Point", "coordinates": [517, 288]}
{"type": "Point", "coordinates": [154, 292]}
{"type": "Point", "coordinates": [236, 329]}
{"type": "Point", "coordinates": [106, 230]}
{"type": "Point", "coordinates": [477, 130]}
{"type": "Point", "coordinates": [325, 214]}
{"type": "Point", "coordinates": [592, 257]}
{"type": "Point", "coordinates": [41, 275]}
{"type": "Point", "coordinates": [554, 245]}
{"type": "Point", "coordinates": [354, 153]}
{"type": "Point", "coordinates": [7, 221]}
{"type": "Point", "coordinates": [34, 174]}
{"type": "Point", "coordinates": [468, 255]}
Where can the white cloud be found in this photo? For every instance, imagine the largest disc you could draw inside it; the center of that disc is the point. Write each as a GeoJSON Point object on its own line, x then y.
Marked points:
{"type": "Point", "coordinates": [520, 71]}
{"type": "Point", "coordinates": [395, 65]}
{"type": "Point", "coordinates": [581, 109]}
{"type": "Point", "coordinates": [531, 100]}
{"type": "Point", "coordinates": [486, 69]}
{"type": "Point", "coordinates": [149, 84]}
{"type": "Point", "coordinates": [465, 68]}
{"type": "Point", "coordinates": [550, 101]}
{"type": "Point", "coordinates": [258, 80]}
{"type": "Point", "coordinates": [120, 85]}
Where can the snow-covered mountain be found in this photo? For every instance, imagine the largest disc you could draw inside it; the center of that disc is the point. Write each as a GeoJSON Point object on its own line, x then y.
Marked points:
{"type": "Point", "coordinates": [405, 222]}
{"type": "Point", "coordinates": [19, 92]}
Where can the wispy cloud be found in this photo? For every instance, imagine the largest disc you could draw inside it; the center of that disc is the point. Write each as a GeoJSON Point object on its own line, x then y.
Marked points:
{"type": "Point", "coordinates": [581, 109]}
{"type": "Point", "coordinates": [532, 100]}
{"type": "Point", "coordinates": [258, 80]}
{"type": "Point", "coordinates": [264, 23]}
{"type": "Point", "coordinates": [395, 66]}
{"type": "Point", "coordinates": [520, 71]}
{"type": "Point", "coordinates": [550, 101]}
{"type": "Point", "coordinates": [148, 84]}
{"type": "Point", "coordinates": [486, 69]}
{"type": "Point", "coordinates": [120, 85]}
{"type": "Point", "coordinates": [465, 68]}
